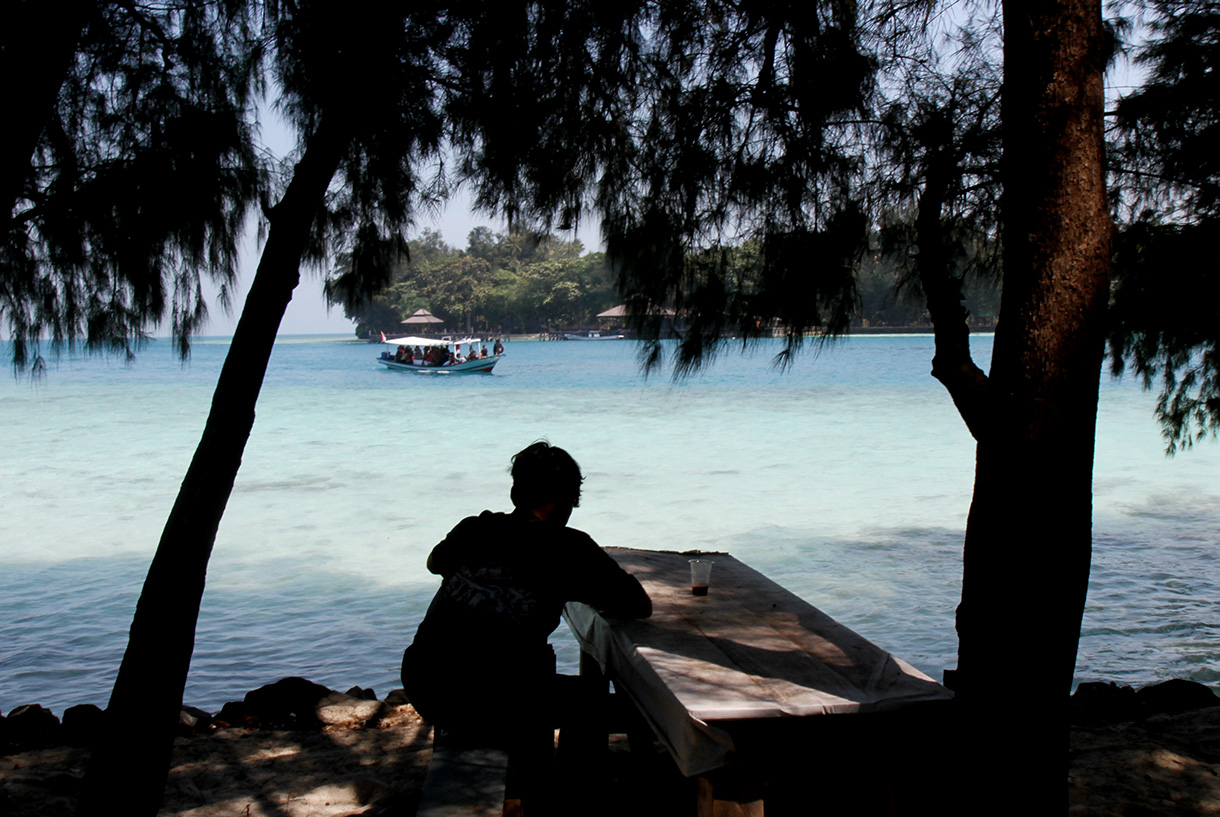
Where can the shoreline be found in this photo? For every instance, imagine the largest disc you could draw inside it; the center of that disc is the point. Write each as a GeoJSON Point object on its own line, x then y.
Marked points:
{"type": "Point", "coordinates": [1155, 750]}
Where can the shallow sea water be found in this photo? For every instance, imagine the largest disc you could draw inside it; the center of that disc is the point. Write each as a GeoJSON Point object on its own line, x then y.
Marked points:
{"type": "Point", "coordinates": [846, 478]}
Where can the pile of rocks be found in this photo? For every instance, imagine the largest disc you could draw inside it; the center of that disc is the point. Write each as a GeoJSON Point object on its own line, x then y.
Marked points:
{"type": "Point", "coordinates": [35, 727]}
{"type": "Point", "coordinates": [1098, 703]}
{"type": "Point", "coordinates": [290, 703]}
{"type": "Point", "coordinates": [290, 749]}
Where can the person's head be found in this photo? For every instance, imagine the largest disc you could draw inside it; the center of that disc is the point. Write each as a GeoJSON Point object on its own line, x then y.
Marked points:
{"type": "Point", "coordinates": [544, 474]}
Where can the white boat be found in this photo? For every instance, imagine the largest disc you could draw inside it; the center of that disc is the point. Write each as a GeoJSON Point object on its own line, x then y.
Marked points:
{"type": "Point", "coordinates": [481, 365]}
{"type": "Point", "coordinates": [594, 336]}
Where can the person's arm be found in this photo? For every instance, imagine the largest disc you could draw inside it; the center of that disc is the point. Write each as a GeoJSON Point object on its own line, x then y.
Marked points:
{"type": "Point", "coordinates": [445, 557]}
{"type": "Point", "coordinates": [437, 561]}
{"type": "Point", "coordinates": [630, 602]}
{"type": "Point", "coordinates": [614, 591]}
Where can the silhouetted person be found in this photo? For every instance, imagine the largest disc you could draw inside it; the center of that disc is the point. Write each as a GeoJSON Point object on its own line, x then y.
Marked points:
{"type": "Point", "coordinates": [480, 664]}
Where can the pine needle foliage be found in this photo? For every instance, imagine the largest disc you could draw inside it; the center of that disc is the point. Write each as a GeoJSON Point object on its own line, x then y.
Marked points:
{"type": "Point", "coordinates": [688, 130]}
{"type": "Point", "coordinates": [1164, 312]}
{"type": "Point", "coordinates": [140, 180]}
{"type": "Point", "coordinates": [376, 73]}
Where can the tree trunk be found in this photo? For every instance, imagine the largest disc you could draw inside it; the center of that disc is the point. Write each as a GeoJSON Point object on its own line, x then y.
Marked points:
{"type": "Point", "coordinates": [1028, 537]}
{"type": "Point", "coordinates": [130, 761]}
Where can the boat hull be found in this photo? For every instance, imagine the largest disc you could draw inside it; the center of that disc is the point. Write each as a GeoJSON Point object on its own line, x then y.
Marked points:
{"type": "Point", "coordinates": [483, 365]}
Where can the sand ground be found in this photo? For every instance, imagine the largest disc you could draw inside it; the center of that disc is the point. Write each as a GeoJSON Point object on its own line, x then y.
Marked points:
{"type": "Point", "coordinates": [1166, 765]}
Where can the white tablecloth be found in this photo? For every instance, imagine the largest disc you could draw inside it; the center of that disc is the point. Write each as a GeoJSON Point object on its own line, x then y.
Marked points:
{"type": "Point", "coordinates": [748, 650]}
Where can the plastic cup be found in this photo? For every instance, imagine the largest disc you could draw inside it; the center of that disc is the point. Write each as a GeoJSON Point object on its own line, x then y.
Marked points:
{"type": "Point", "coordinates": [700, 575]}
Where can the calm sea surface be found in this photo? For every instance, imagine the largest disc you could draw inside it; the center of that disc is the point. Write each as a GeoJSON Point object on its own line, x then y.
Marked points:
{"type": "Point", "coordinates": [847, 479]}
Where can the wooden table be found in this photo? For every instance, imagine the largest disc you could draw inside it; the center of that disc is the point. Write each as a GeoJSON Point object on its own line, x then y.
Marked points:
{"type": "Point", "coordinates": [704, 670]}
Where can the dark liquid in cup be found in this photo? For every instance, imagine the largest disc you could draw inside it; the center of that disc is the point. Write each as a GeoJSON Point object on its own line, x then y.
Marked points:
{"type": "Point", "coordinates": [699, 590]}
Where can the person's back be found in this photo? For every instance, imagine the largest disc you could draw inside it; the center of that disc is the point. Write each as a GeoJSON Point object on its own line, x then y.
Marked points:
{"type": "Point", "coordinates": [481, 652]}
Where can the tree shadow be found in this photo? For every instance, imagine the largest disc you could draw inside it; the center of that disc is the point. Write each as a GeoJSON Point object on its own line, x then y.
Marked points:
{"type": "Point", "coordinates": [1164, 765]}
{"type": "Point", "coordinates": [294, 773]}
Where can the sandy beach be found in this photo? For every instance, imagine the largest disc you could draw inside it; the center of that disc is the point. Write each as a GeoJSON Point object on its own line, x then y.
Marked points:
{"type": "Point", "coordinates": [1163, 765]}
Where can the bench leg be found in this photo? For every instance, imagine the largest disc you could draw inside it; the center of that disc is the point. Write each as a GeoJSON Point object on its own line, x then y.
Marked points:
{"type": "Point", "coordinates": [584, 738]}
{"type": "Point", "coordinates": [725, 793]}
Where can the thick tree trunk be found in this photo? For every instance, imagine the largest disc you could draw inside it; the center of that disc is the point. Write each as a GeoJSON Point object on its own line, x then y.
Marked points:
{"type": "Point", "coordinates": [130, 762]}
{"type": "Point", "coordinates": [1028, 538]}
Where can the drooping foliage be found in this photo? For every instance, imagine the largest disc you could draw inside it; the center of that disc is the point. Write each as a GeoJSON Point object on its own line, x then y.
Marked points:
{"type": "Point", "coordinates": [936, 168]}
{"type": "Point", "coordinates": [140, 176]}
{"type": "Point", "coordinates": [541, 102]}
{"type": "Point", "coordinates": [374, 75]}
{"type": "Point", "coordinates": [1166, 158]}
{"type": "Point", "coordinates": [1168, 333]}
{"type": "Point", "coordinates": [688, 129]}
{"type": "Point", "coordinates": [745, 139]}
{"type": "Point", "coordinates": [1166, 316]}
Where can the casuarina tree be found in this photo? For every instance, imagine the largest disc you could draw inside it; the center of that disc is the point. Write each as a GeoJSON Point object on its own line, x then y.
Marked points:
{"type": "Point", "coordinates": [359, 91]}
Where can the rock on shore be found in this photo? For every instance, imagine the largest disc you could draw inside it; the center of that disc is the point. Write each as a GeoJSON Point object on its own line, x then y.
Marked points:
{"type": "Point", "coordinates": [290, 748]}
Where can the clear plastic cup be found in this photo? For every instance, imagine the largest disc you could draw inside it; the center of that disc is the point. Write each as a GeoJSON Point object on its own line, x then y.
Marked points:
{"type": "Point", "coordinates": [700, 575]}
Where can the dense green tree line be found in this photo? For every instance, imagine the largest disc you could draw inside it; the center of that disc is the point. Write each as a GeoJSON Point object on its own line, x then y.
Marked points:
{"type": "Point", "coordinates": [506, 283]}
{"type": "Point", "coordinates": [501, 282]}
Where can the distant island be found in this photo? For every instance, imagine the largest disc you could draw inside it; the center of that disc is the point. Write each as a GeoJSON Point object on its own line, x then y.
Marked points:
{"type": "Point", "coordinates": [505, 284]}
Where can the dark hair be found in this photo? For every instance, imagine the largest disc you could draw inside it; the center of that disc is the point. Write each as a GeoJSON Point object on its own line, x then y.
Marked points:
{"type": "Point", "coordinates": [544, 473]}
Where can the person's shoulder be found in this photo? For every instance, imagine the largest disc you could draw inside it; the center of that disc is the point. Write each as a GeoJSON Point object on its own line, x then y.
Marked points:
{"type": "Point", "coordinates": [486, 519]}
{"type": "Point", "coordinates": [476, 524]}
{"type": "Point", "coordinates": [582, 535]}
{"type": "Point", "coordinates": [575, 539]}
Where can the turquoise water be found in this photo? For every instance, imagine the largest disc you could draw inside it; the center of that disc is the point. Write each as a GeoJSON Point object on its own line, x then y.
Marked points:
{"type": "Point", "coordinates": [846, 478]}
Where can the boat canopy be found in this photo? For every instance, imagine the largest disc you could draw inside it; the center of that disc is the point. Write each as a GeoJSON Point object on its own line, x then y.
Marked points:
{"type": "Point", "coordinates": [415, 340]}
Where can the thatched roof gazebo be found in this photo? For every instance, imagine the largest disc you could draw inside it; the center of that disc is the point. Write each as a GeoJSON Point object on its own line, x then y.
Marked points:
{"type": "Point", "coordinates": [422, 320]}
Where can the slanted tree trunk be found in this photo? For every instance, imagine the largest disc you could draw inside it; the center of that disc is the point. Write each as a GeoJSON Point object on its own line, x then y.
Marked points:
{"type": "Point", "coordinates": [130, 762]}
{"type": "Point", "coordinates": [1028, 537]}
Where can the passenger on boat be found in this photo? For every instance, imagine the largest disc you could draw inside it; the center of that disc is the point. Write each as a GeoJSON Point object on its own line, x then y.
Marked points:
{"type": "Point", "coordinates": [400, 355]}
{"type": "Point", "coordinates": [483, 351]}
{"type": "Point", "coordinates": [498, 349]}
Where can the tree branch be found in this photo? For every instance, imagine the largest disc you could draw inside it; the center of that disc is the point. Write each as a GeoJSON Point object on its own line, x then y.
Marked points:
{"type": "Point", "coordinates": [952, 364]}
